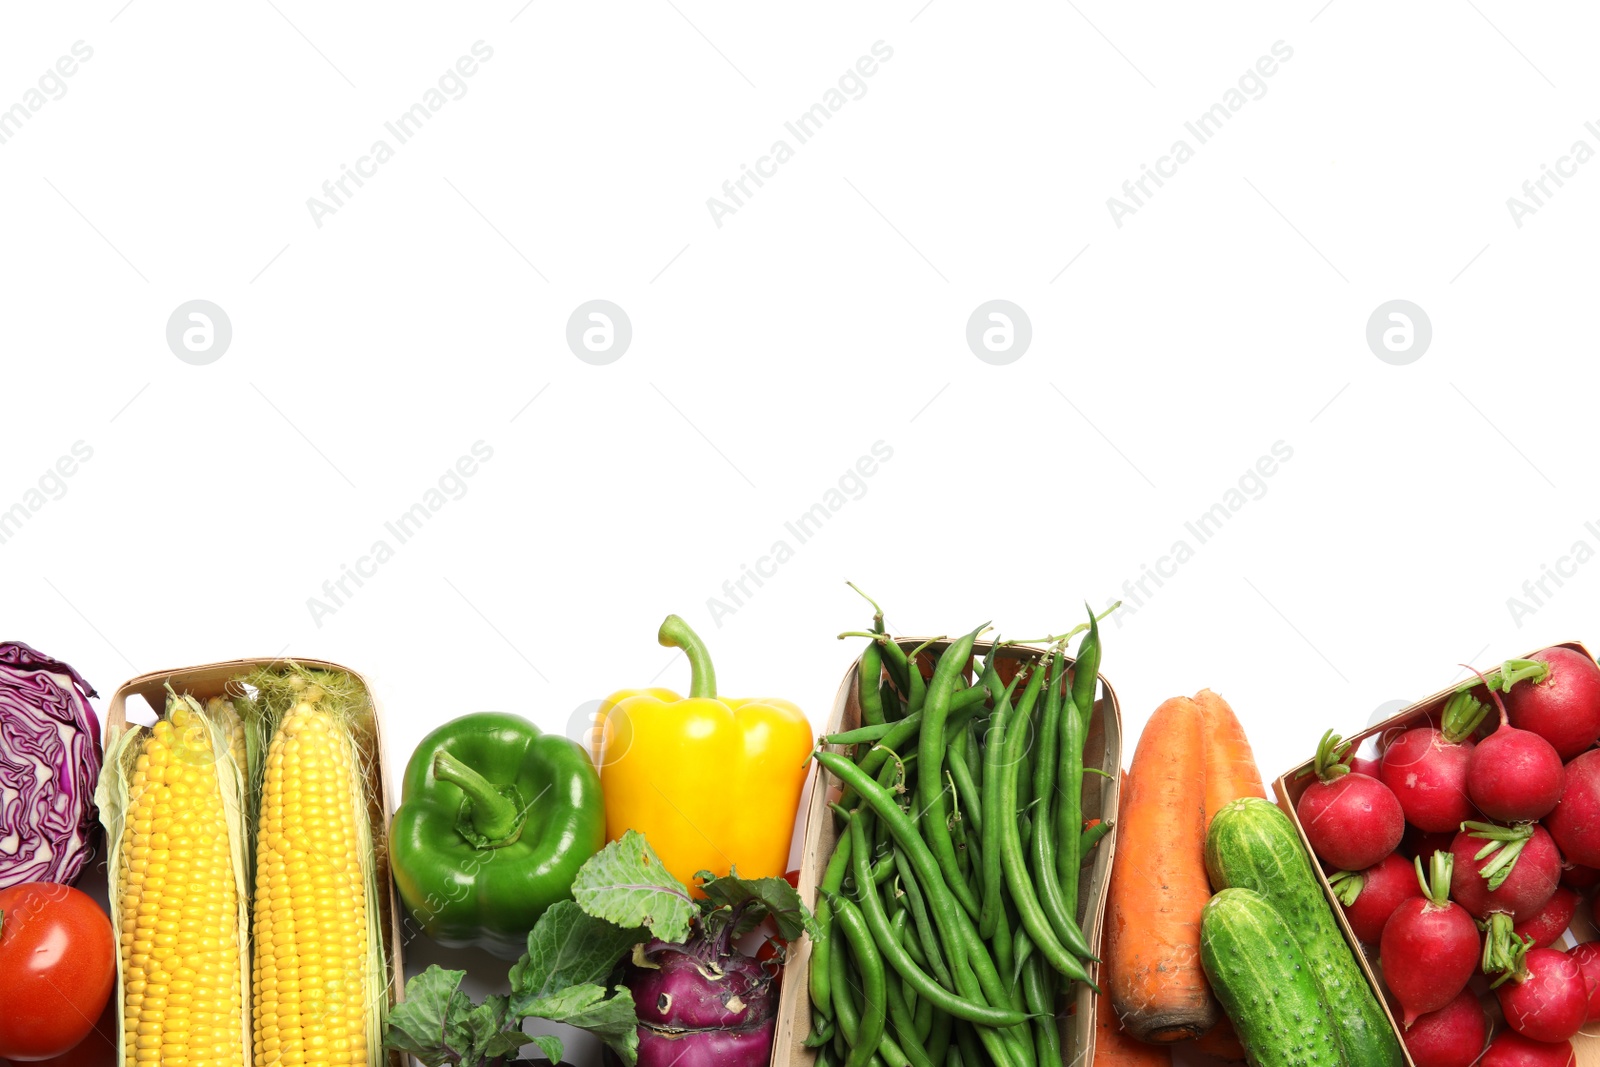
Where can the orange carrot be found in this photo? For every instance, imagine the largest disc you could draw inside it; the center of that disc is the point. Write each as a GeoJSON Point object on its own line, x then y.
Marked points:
{"type": "Point", "coordinates": [1231, 770]}
{"type": "Point", "coordinates": [1114, 1047]}
{"type": "Point", "coordinates": [1158, 884]}
{"type": "Point", "coordinates": [1221, 1044]}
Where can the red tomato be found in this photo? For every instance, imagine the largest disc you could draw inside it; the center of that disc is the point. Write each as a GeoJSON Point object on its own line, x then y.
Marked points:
{"type": "Point", "coordinates": [57, 967]}
{"type": "Point", "coordinates": [99, 1049]}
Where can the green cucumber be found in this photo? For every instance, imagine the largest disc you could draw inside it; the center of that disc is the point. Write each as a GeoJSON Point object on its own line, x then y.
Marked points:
{"type": "Point", "coordinates": [1252, 845]}
{"type": "Point", "coordinates": [1259, 972]}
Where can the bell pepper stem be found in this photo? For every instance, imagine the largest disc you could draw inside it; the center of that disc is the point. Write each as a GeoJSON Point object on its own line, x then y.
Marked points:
{"type": "Point", "coordinates": [675, 633]}
{"type": "Point", "coordinates": [493, 816]}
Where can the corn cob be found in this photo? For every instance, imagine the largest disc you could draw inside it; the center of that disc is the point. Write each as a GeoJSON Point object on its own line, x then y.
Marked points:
{"type": "Point", "coordinates": [180, 928]}
{"type": "Point", "coordinates": [316, 991]}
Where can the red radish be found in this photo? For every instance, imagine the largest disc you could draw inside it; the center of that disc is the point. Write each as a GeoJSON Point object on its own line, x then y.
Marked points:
{"type": "Point", "coordinates": [1520, 878]}
{"type": "Point", "coordinates": [1430, 945]}
{"type": "Point", "coordinates": [1576, 876]}
{"type": "Point", "coordinates": [1588, 957]}
{"type": "Point", "coordinates": [1426, 843]}
{"type": "Point", "coordinates": [1363, 765]}
{"type": "Point", "coordinates": [1453, 1036]}
{"type": "Point", "coordinates": [1513, 775]}
{"type": "Point", "coordinates": [1556, 694]}
{"type": "Point", "coordinates": [1546, 998]}
{"type": "Point", "coordinates": [1547, 924]}
{"type": "Point", "coordinates": [1426, 768]}
{"type": "Point", "coordinates": [1352, 821]}
{"type": "Point", "coordinates": [1369, 897]}
{"type": "Point", "coordinates": [1575, 824]}
{"type": "Point", "coordinates": [1511, 1049]}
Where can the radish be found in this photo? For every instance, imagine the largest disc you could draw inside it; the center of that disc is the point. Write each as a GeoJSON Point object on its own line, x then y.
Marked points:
{"type": "Point", "coordinates": [1363, 765]}
{"type": "Point", "coordinates": [1514, 775]}
{"type": "Point", "coordinates": [1351, 820]}
{"type": "Point", "coordinates": [1511, 1049]}
{"type": "Point", "coordinates": [1587, 956]}
{"type": "Point", "coordinates": [1427, 842]}
{"type": "Point", "coordinates": [1519, 879]}
{"type": "Point", "coordinates": [1453, 1036]}
{"type": "Point", "coordinates": [1556, 694]}
{"type": "Point", "coordinates": [1547, 924]}
{"type": "Point", "coordinates": [1369, 897]}
{"type": "Point", "coordinates": [1545, 998]}
{"type": "Point", "coordinates": [1429, 948]}
{"type": "Point", "coordinates": [1426, 768]}
{"type": "Point", "coordinates": [1576, 876]}
{"type": "Point", "coordinates": [1575, 824]}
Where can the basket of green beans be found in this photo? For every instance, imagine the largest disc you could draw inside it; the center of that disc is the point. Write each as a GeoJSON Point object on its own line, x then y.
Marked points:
{"type": "Point", "coordinates": [957, 850]}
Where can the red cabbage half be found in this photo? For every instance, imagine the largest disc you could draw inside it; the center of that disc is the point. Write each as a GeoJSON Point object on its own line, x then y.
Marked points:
{"type": "Point", "coordinates": [49, 763]}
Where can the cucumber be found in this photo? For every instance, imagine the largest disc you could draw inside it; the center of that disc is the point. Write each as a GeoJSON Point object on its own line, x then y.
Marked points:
{"type": "Point", "coordinates": [1252, 845]}
{"type": "Point", "coordinates": [1258, 971]}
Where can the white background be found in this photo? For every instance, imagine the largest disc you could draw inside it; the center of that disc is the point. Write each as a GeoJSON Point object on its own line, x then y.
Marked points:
{"type": "Point", "coordinates": [828, 313]}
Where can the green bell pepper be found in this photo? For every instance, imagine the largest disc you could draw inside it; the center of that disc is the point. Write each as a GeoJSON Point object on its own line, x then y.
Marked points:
{"type": "Point", "coordinates": [495, 819]}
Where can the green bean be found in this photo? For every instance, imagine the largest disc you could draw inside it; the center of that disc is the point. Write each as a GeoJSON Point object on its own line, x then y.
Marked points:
{"type": "Point", "coordinates": [917, 905]}
{"type": "Point", "coordinates": [1058, 908]}
{"type": "Point", "coordinates": [1086, 672]}
{"type": "Point", "coordinates": [882, 869]}
{"type": "Point", "coordinates": [1005, 948]}
{"type": "Point", "coordinates": [903, 1024]}
{"type": "Point", "coordinates": [941, 903]}
{"type": "Point", "coordinates": [878, 923]}
{"type": "Point", "coordinates": [971, 971]}
{"type": "Point", "coordinates": [832, 879]}
{"type": "Point", "coordinates": [894, 734]}
{"type": "Point", "coordinates": [1016, 869]}
{"type": "Point", "coordinates": [870, 673]}
{"type": "Point", "coordinates": [860, 735]}
{"type": "Point", "coordinates": [1039, 987]}
{"type": "Point", "coordinates": [967, 1041]}
{"type": "Point", "coordinates": [996, 992]}
{"type": "Point", "coordinates": [1022, 952]}
{"type": "Point", "coordinates": [821, 1030]}
{"type": "Point", "coordinates": [938, 1039]}
{"type": "Point", "coordinates": [1091, 836]}
{"type": "Point", "coordinates": [894, 708]}
{"type": "Point", "coordinates": [917, 695]}
{"type": "Point", "coordinates": [961, 779]}
{"type": "Point", "coordinates": [869, 965]}
{"type": "Point", "coordinates": [877, 612]}
{"type": "Point", "coordinates": [930, 780]}
{"type": "Point", "coordinates": [922, 1019]}
{"type": "Point", "coordinates": [1069, 827]}
{"type": "Point", "coordinates": [845, 1014]}
{"type": "Point", "coordinates": [894, 657]}
{"type": "Point", "coordinates": [993, 754]}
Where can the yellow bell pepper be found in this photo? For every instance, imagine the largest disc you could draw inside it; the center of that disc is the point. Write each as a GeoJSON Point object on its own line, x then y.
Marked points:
{"type": "Point", "coordinates": [711, 783]}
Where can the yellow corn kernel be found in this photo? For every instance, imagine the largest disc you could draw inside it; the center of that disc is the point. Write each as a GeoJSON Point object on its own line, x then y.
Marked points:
{"type": "Point", "coordinates": [181, 941]}
{"type": "Point", "coordinates": [310, 989]}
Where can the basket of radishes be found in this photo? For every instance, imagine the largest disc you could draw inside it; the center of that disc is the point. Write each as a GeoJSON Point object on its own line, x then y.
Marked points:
{"type": "Point", "coordinates": [1459, 840]}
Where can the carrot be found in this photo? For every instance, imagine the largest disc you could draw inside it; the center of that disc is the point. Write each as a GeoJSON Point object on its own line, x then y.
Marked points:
{"type": "Point", "coordinates": [1231, 770]}
{"type": "Point", "coordinates": [1158, 884]}
{"type": "Point", "coordinates": [1221, 1043]}
{"type": "Point", "coordinates": [1114, 1047]}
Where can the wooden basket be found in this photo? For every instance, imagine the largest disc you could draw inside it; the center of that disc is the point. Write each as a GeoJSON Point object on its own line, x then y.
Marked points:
{"type": "Point", "coordinates": [210, 680]}
{"type": "Point", "coordinates": [1102, 750]}
{"type": "Point", "coordinates": [1291, 785]}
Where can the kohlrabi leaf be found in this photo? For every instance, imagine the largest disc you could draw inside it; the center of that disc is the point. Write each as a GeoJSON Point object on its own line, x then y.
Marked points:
{"type": "Point", "coordinates": [766, 896]}
{"type": "Point", "coordinates": [626, 884]}
{"type": "Point", "coordinates": [551, 1046]}
{"type": "Point", "coordinates": [438, 1023]}
{"type": "Point", "coordinates": [568, 947]}
{"type": "Point", "coordinates": [611, 1019]}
